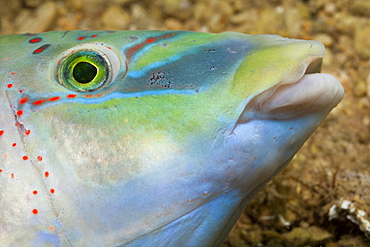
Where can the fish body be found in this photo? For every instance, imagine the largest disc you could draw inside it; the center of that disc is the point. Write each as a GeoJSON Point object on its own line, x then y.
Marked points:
{"type": "Point", "coordinates": [148, 138]}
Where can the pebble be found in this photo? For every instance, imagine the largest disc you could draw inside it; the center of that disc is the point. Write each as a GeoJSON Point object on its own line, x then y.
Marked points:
{"type": "Point", "coordinates": [360, 89]}
{"type": "Point", "coordinates": [360, 7]}
{"type": "Point", "coordinates": [93, 8]}
{"type": "Point", "coordinates": [361, 39]}
{"type": "Point", "coordinates": [173, 24]}
{"type": "Point", "coordinates": [319, 235]}
{"type": "Point", "coordinates": [182, 9]}
{"type": "Point", "coordinates": [324, 38]}
{"type": "Point", "coordinates": [330, 8]}
{"type": "Point", "coordinates": [201, 13]}
{"type": "Point", "coordinates": [40, 21]}
{"type": "Point", "coordinates": [297, 237]}
{"type": "Point", "coordinates": [294, 19]}
{"type": "Point", "coordinates": [7, 26]}
{"type": "Point", "coordinates": [141, 19]}
{"type": "Point", "coordinates": [115, 18]}
{"type": "Point", "coordinates": [328, 58]}
{"type": "Point", "coordinates": [268, 21]}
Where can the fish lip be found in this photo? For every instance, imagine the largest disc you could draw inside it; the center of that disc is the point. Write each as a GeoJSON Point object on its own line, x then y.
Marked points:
{"type": "Point", "coordinates": [325, 91]}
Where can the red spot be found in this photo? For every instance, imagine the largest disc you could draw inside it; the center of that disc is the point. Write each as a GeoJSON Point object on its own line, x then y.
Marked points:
{"type": "Point", "coordinates": [21, 91]}
{"type": "Point", "coordinates": [35, 211]}
{"type": "Point", "coordinates": [25, 157]}
{"type": "Point", "coordinates": [23, 101]}
{"type": "Point", "coordinates": [12, 73]}
{"type": "Point", "coordinates": [1, 132]}
{"type": "Point", "coordinates": [52, 191]}
{"type": "Point", "coordinates": [39, 102]}
{"type": "Point", "coordinates": [41, 49]}
{"type": "Point", "coordinates": [39, 158]}
{"type": "Point", "coordinates": [35, 192]}
{"type": "Point", "coordinates": [27, 132]}
{"type": "Point", "coordinates": [54, 99]}
{"type": "Point", "coordinates": [150, 40]}
{"type": "Point", "coordinates": [19, 113]}
{"type": "Point", "coordinates": [12, 175]}
{"type": "Point", "coordinates": [46, 174]}
{"type": "Point", "coordinates": [17, 125]}
{"type": "Point", "coordinates": [9, 85]}
{"type": "Point", "coordinates": [14, 144]}
{"type": "Point", "coordinates": [71, 96]}
{"type": "Point", "coordinates": [38, 50]}
{"type": "Point", "coordinates": [81, 38]}
{"type": "Point", "coordinates": [94, 35]}
{"type": "Point", "coordinates": [1, 170]}
{"type": "Point", "coordinates": [35, 40]}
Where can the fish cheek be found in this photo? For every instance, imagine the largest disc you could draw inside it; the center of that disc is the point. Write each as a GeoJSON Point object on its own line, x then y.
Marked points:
{"type": "Point", "coordinates": [83, 151]}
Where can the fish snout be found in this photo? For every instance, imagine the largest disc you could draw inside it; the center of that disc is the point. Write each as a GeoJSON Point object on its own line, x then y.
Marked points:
{"type": "Point", "coordinates": [295, 96]}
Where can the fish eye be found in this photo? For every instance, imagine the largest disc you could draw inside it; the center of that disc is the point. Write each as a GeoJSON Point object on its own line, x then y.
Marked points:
{"type": "Point", "coordinates": [87, 68]}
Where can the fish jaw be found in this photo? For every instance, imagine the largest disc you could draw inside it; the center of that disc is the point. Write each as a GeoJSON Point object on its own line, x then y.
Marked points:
{"type": "Point", "coordinates": [290, 104]}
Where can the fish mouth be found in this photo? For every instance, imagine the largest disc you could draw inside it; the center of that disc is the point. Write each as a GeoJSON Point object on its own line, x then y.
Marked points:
{"type": "Point", "coordinates": [305, 90]}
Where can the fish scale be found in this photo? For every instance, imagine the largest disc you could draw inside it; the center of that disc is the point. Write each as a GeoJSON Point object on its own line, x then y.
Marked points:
{"type": "Point", "coordinates": [148, 138]}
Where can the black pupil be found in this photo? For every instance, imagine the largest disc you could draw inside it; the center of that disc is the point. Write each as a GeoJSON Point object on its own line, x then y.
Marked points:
{"type": "Point", "coordinates": [84, 72]}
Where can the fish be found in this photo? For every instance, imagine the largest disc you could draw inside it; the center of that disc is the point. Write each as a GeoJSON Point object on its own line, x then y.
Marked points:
{"type": "Point", "coordinates": [148, 138]}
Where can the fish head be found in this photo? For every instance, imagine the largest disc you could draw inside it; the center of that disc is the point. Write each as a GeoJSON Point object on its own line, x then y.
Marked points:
{"type": "Point", "coordinates": [149, 138]}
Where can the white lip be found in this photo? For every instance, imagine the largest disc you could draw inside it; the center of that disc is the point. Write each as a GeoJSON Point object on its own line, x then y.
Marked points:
{"type": "Point", "coordinates": [301, 93]}
{"type": "Point", "coordinates": [311, 92]}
